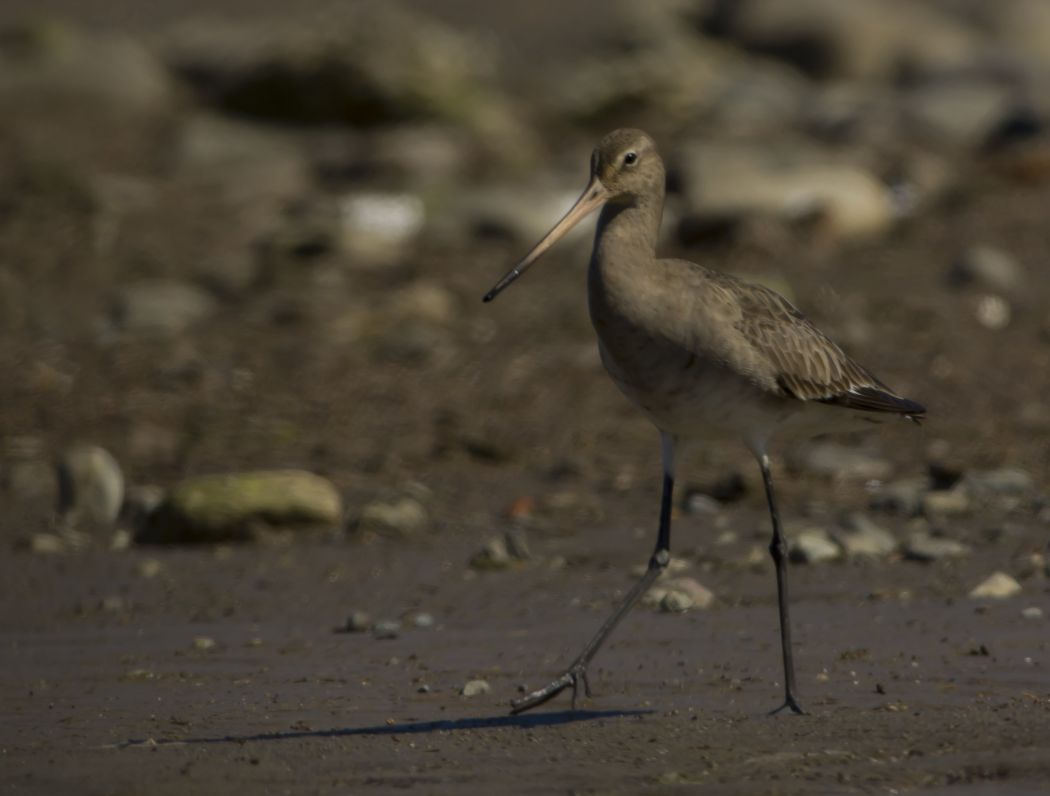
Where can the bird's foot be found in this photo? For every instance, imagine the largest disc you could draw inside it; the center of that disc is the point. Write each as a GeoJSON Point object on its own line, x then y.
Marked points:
{"type": "Point", "coordinates": [790, 703]}
{"type": "Point", "coordinates": [572, 678]}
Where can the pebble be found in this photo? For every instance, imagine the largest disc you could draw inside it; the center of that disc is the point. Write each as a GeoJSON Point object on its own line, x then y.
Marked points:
{"type": "Point", "coordinates": [860, 536]}
{"type": "Point", "coordinates": [423, 689]}
{"type": "Point", "coordinates": [46, 543]}
{"type": "Point", "coordinates": [676, 602]}
{"type": "Point", "coordinates": [841, 462]}
{"type": "Point", "coordinates": [90, 488]}
{"type": "Point", "coordinates": [812, 547]}
{"type": "Point", "coordinates": [1032, 612]}
{"type": "Point", "coordinates": [503, 552]}
{"type": "Point", "coordinates": [922, 546]}
{"type": "Point", "coordinates": [699, 503]}
{"type": "Point", "coordinates": [401, 517]}
{"type": "Point", "coordinates": [386, 629]}
{"type": "Point", "coordinates": [945, 501]}
{"type": "Point", "coordinates": [231, 507]}
{"type": "Point", "coordinates": [997, 586]}
{"type": "Point", "coordinates": [475, 688]}
{"type": "Point", "coordinates": [987, 267]}
{"type": "Point", "coordinates": [423, 620]}
{"type": "Point", "coordinates": [203, 643]}
{"type": "Point", "coordinates": [161, 308]}
{"type": "Point", "coordinates": [687, 593]}
{"type": "Point", "coordinates": [1004, 481]}
{"type": "Point", "coordinates": [993, 312]}
{"type": "Point", "coordinates": [358, 622]}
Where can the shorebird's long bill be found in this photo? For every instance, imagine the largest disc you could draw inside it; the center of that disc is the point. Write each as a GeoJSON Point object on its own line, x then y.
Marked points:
{"type": "Point", "coordinates": [590, 200]}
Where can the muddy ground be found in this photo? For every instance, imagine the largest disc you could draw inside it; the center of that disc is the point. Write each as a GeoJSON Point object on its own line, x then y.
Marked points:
{"type": "Point", "coordinates": [221, 669]}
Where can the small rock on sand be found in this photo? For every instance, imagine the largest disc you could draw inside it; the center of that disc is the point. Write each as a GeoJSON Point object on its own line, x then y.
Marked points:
{"type": "Point", "coordinates": [997, 586]}
{"type": "Point", "coordinates": [475, 688]}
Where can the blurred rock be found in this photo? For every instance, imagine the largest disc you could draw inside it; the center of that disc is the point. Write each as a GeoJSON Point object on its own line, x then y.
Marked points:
{"type": "Point", "coordinates": [358, 622]}
{"type": "Point", "coordinates": [90, 489]}
{"type": "Point", "coordinates": [1032, 612]}
{"type": "Point", "coordinates": [875, 40]}
{"type": "Point", "coordinates": [945, 502]}
{"type": "Point", "coordinates": [860, 536]}
{"type": "Point", "coordinates": [699, 503]}
{"type": "Point", "coordinates": [813, 547]}
{"type": "Point", "coordinates": [997, 586]}
{"type": "Point", "coordinates": [376, 228]}
{"type": "Point", "coordinates": [795, 185]}
{"type": "Point", "coordinates": [49, 61]}
{"type": "Point", "coordinates": [235, 507]}
{"type": "Point", "coordinates": [160, 308]}
{"type": "Point", "coordinates": [679, 594]}
{"type": "Point", "coordinates": [993, 312]}
{"type": "Point", "coordinates": [360, 64]}
{"type": "Point", "coordinates": [386, 629]}
{"type": "Point", "coordinates": [502, 552]}
{"type": "Point", "coordinates": [959, 113]}
{"type": "Point", "coordinates": [922, 546]}
{"type": "Point", "coordinates": [837, 461]}
{"type": "Point", "coordinates": [983, 484]}
{"type": "Point", "coordinates": [987, 267]}
{"type": "Point", "coordinates": [402, 517]}
{"type": "Point", "coordinates": [902, 497]}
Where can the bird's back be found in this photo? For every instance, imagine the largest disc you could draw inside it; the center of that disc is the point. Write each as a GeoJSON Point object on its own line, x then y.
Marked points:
{"type": "Point", "coordinates": [690, 344]}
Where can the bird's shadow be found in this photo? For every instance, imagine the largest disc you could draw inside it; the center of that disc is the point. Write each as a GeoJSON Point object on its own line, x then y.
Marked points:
{"type": "Point", "coordinates": [403, 728]}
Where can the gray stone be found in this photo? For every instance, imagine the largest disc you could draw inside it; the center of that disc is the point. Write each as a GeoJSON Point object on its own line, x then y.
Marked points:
{"type": "Point", "coordinates": [734, 181]}
{"type": "Point", "coordinates": [997, 586]}
{"type": "Point", "coordinates": [945, 502]}
{"type": "Point", "coordinates": [402, 516]}
{"type": "Point", "coordinates": [676, 602]}
{"type": "Point", "coordinates": [161, 308]}
{"type": "Point", "coordinates": [860, 536]}
{"type": "Point", "coordinates": [902, 497]}
{"type": "Point", "coordinates": [841, 462]}
{"type": "Point", "coordinates": [870, 41]}
{"type": "Point", "coordinates": [236, 506]}
{"type": "Point", "coordinates": [423, 620]}
{"type": "Point", "coordinates": [475, 688]}
{"type": "Point", "coordinates": [375, 229]}
{"type": "Point", "coordinates": [993, 312]}
{"type": "Point", "coordinates": [989, 268]}
{"type": "Point", "coordinates": [813, 547]}
{"type": "Point", "coordinates": [360, 64]}
{"type": "Point", "coordinates": [959, 113]}
{"type": "Point", "coordinates": [1032, 612]}
{"type": "Point", "coordinates": [386, 629]}
{"type": "Point", "coordinates": [91, 488]}
{"type": "Point", "coordinates": [1007, 481]}
{"type": "Point", "coordinates": [922, 546]}
{"type": "Point", "coordinates": [679, 594]}
{"type": "Point", "coordinates": [699, 503]}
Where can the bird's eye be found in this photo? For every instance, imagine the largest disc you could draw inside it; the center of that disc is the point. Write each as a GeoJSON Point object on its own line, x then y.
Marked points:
{"type": "Point", "coordinates": [630, 158]}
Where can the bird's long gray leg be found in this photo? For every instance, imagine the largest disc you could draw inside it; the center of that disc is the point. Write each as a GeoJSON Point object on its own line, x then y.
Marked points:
{"type": "Point", "coordinates": [778, 549]}
{"type": "Point", "coordinates": [577, 671]}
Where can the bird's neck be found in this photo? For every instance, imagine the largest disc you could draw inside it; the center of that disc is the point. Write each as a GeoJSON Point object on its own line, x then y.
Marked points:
{"type": "Point", "coordinates": [628, 231]}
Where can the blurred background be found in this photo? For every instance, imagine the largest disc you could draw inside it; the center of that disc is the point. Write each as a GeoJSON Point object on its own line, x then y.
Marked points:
{"type": "Point", "coordinates": [242, 236]}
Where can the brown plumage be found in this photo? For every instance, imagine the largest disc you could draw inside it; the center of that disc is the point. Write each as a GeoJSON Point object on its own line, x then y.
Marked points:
{"type": "Point", "coordinates": [697, 349]}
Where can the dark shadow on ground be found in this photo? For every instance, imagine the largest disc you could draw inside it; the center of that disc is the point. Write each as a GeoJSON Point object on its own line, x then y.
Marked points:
{"type": "Point", "coordinates": [408, 728]}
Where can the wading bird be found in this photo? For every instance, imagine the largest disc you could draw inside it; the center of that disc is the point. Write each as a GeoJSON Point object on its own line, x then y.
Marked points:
{"type": "Point", "coordinates": [695, 349]}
